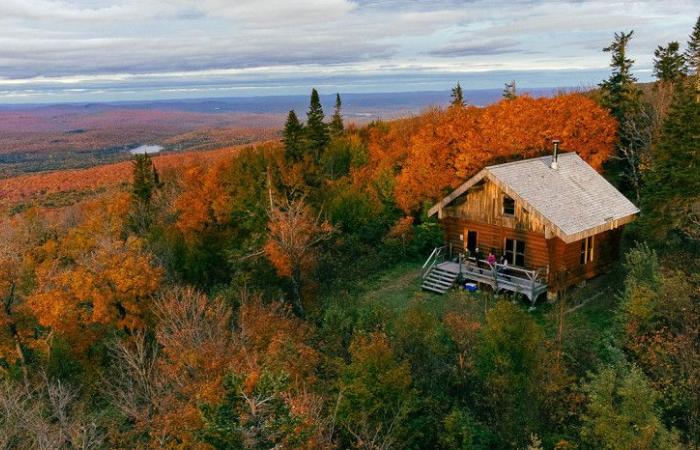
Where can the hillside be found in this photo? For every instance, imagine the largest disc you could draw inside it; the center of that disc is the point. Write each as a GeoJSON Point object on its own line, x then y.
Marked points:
{"type": "Point", "coordinates": [49, 138]}
{"type": "Point", "coordinates": [189, 297]}
{"type": "Point", "coordinates": [64, 187]}
{"type": "Point", "coordinates": [39, 138]}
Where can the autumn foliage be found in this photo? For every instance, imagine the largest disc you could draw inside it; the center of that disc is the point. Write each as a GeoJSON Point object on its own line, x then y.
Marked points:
{"type": "Point", "coordinates": [294, 235]}
{"type": "Point", "coordinates": [437, 151]}
{"type": "Point", "coordinates": [90, 279]}
{"type": "Point", "coordinates": [228, 318]}
{"type": "Point", "coordinates": [27, 188]}
{"type": "Point", "coordinates": [200, 345]}
{"type": "Point", "coordinates": [203, 201]}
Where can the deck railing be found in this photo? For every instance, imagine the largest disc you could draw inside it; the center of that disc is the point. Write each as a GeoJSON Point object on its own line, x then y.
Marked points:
{"type": "Point", "coordinates": [530, 282]}
{"type": "Point", "coordinates": [535, 275]}
{"type": "Point", "coordinates": [436, 257]}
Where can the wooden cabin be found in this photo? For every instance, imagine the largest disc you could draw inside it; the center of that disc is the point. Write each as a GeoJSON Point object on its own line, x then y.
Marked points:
{"type": "Point", "coordinates": [552, 221]}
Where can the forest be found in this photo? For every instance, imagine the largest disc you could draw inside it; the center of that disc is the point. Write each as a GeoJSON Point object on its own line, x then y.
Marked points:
{"type": "Point", "coordinates": [268, 297]}
{"type": "Point", "coordinates": [60, 137]}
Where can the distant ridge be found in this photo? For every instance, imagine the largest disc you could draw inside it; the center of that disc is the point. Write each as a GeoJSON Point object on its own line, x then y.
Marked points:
{"type": "Point", "coordinates": [360, 106]}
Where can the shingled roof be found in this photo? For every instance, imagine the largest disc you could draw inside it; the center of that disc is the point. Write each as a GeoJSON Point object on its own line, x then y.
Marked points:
{"type": "Point", "coordinates": [573, 199]}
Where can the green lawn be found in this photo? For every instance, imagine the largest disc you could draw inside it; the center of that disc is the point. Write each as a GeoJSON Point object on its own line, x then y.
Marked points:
{"type": "Point", "coordinates": [399, 288]}
{"type": "Point", "coordinates": [590, 307]}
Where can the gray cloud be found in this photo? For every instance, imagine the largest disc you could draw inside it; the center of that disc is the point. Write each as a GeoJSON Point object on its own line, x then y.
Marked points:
{"type": "Point", "coordinates": [122, 45]}
{"type": "Point", "coordinates": [491, 47]}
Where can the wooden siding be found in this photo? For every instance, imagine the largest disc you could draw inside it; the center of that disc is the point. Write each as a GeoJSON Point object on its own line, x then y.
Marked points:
{"type": "Point", "coordinates": [492, 238]}
{"type": "Point", "coordinates": [565, 259]}
{"type": "Point", "coordinates": [483, 203]}
{"type": "Point", "coordinates": [480, 208]}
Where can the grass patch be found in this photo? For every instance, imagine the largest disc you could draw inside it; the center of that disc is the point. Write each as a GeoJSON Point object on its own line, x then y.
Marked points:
{"type": "Point", "coordinates": [590, 307]}
{"type": "Point", "coordinates": [596, 302]}
{"type": "Point", "coordinates": [399, 288]}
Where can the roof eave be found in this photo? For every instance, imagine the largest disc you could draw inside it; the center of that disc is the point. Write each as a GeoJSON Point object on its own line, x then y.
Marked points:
{"type": "Point", "coordinates": [558, 232]}
{"type": "Point", "coordinates": [607, 226]}
{"type": "Point", "coordinates": [464, 187]}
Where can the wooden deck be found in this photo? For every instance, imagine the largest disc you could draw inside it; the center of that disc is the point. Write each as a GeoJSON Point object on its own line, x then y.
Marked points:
{"type": "Point", "coordinates": [499, 277]}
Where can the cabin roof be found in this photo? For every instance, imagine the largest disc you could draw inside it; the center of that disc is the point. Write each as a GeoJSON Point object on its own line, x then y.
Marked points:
{"type": "Point", "coordinates": [574, 199]}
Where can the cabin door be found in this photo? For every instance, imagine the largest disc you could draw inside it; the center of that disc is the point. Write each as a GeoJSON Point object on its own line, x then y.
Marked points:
{"type": "Point", "coordinates": [471, 241]}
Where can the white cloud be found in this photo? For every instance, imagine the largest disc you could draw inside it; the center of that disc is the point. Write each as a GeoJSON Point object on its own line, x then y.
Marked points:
{"type": "Point", "coordinates": [44, 42]}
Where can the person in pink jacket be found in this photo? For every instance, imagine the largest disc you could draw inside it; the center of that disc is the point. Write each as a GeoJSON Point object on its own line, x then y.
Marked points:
{"type": "Point", "coordinates": [491, 259]}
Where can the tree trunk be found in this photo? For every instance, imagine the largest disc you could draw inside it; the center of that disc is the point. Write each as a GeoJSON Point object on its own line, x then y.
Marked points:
{"type": "Point", "coordinates": [9, 301]}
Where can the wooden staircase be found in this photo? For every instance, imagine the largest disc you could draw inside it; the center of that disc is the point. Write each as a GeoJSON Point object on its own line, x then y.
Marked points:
{"type": "Point", "coordinates": [436, 276]}
{"type": "Point", "coordinates": [439, 280]}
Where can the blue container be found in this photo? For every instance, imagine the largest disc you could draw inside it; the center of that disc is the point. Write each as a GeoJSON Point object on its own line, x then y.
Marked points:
{"type": "Point", "coordinates": [470, 287]}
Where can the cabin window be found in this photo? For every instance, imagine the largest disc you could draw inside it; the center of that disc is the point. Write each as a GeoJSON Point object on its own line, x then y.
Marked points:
{"type": "Point", "coordinates": [508, 206]}
{"type": "Point", "coordinates": [587, 250]}
{"type": "Point", "coordinates": [514, 252]}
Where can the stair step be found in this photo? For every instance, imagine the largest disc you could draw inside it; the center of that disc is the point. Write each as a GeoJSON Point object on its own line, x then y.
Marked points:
{"type": "Point", "coordinates": [444, 274]}
{"type": "Point", "coordinates": [445, 282]}
{"type": "Point", "coordinates": [436, 285]}
{"type": "Point", "coordinates": [432, 289]}
{"type": "Point", "coordinates": [439, 280]}
{"type": "Point", "coordinates": [445, 271]}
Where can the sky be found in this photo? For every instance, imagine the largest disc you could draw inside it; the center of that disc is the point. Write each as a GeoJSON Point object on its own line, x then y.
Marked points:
{"type": "Point", "coordinates": [106, 50]}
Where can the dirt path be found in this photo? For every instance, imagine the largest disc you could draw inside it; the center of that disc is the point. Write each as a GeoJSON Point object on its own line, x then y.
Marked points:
{"type": "Point", "coordinates": [588, 300]}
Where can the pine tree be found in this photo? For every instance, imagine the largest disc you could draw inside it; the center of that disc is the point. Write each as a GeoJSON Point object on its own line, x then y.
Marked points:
{"type": "Point", "coordinates": [669, 64]}
{"type": "Point", "coordinates": [316, 130]}
{"type": "Point", "coordinates": [146, 178]}
{"type": "Point", "coordinates": [619, 92]}
{"type": "Point", "coordinates": [509, 92]}
{"type": "Point", "coordinates": [155, 176]}
{"type": "Point", "coordinates": [457, 96]}
{"type": "Point", "coordinates": [692, 58]}
{"type": "Point", "coordinates": [336, 127]}
{"type": "Point", "coordinates": [692, 53]}
{"type": "Point", "coordinates": [623, 98]}
{"type": "Point", "coordinates": [145, 182]}
{"type": "Point", "coordinates": [621, 412]}
{"type": "Point", "coordinates": [293, 138]}
{"type": "Point", "coordinates": [672, 186]}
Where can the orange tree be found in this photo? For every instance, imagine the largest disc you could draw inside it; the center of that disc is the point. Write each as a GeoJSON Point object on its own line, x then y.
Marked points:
{"type": "Point", "coordinates": [294, 234]}
{"type": "Point", "coordinates": [435, 152]}
{"type": "Point", "coordinates": [91, 279]}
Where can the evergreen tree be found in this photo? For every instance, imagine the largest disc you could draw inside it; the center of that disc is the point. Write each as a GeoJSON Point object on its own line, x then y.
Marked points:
{"type": "Point", "coordinates": [145, 182]}
{"type": "Point", "coordinates": [621, 412]}
{"type": "Point", "coordinates": [619, 92]}
{"type": "Point", "coordinates": [155, 176]}
{"type": "Point", "coordinates": [509, 369]}
{"type": "Point", "coordinates": [509, 92]}
{"type": "Point", "coordinates": [669, 69]}
{"type": "Point", "coordinates": [692, 58]}
{"type": "Point", "coordinates": [457, 96]}
{"type": "Point", "coordinates": [673, 183]}
{"type": "Point", "coordinates": [692, 53]}
{"type": "Point", "coordinates": [146, 178]}
{"type": "Point", "coordinates": [337, 126]}
{"type": "Point", "coordinates": [669, 64]}
{"type": "Point", "coordinates": [316, 130]}
{"type": "Point", "coordinates": [623, 98]}
{"type": "Point", "coordinates": [293, 138]}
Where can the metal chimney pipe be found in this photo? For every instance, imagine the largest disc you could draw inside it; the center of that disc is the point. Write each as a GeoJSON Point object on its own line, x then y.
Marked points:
{"type": "Point", "coordinates": [555, 163]}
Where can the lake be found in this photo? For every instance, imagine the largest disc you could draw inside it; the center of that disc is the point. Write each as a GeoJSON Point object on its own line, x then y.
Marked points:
{"type": "Point", "coordinates": [146, 149]}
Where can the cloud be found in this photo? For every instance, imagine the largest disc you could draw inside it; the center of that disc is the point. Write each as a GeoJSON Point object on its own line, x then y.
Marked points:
{"type": "Point", "coordinates": [188, 44]}
{"type": "Point", "coordinates": [490, 47]}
